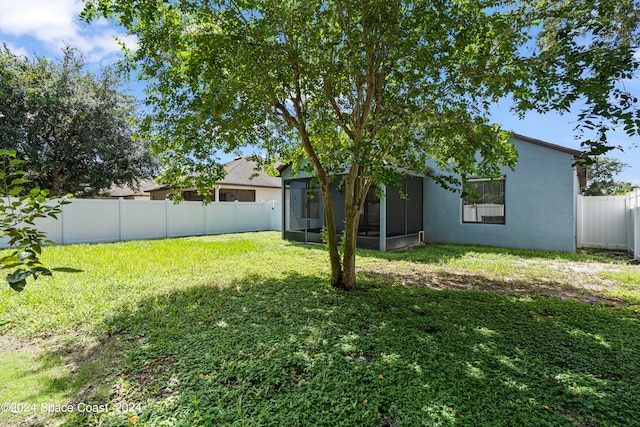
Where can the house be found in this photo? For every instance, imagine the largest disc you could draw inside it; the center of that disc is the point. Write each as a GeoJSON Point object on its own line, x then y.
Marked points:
{"type": "Point", "coordinates": [139, 192]}
{"type": "Point", "coordinates": [532, 207]}
{"type": "Point", "coordinates": [243, 183]}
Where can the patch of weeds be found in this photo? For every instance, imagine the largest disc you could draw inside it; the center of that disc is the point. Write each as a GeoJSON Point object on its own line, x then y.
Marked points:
{"type": "Point", "coordinates": [628, 284]}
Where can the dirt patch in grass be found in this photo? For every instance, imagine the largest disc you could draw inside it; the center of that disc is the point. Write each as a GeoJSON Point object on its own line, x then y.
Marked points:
{"type": "Point", "coordinates": [11, 343]}
{"type": "Point", "coordinates": [563, 280]}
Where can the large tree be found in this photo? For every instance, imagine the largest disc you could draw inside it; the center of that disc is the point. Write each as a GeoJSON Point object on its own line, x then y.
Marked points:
{"type": "Point", "coordinates": [72, 127]}
{"type": "Point", "coordinates": [601, 177]}
{"type": "Point", "coordinates": [361, 91]}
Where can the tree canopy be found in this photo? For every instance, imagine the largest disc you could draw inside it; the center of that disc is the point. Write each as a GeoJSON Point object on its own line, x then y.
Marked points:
{"type": "Point", "coordinates": [601, 178]}
{"type": "Point", "coordinates": [362, 91]}
{"type": "Point", "coordinates": [73, 128]}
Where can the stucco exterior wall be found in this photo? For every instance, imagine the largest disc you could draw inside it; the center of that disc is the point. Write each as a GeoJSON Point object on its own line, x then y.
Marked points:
{"type": "Point", "coordinates": [540, 206]}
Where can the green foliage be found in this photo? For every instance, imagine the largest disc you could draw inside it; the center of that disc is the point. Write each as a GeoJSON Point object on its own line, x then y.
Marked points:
{"type": "Point", "coordinates": [376, 83]}
{"type": "Point", "coordinates": [257, 337]}
{"type": "Point", "coordinates": [18, 211]}
{"type": "Point", "coordinates": [325, 239]}
{"type": "Point", "coordinates": [74, 129]}
{"type": "Point", "coordinates": [586, 52]}
{"type": "Point", "coordinates": [601, 178]}
{"type": "Point", "coordinates": [623, 188]}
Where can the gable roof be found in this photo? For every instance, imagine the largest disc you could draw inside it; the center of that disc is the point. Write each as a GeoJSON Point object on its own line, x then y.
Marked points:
{"type": "Point", "coordinates": [240, 171]}
{"type": "Point", "coordinates": [142, 189]}
{"type": "Point", "coordinates": [576, 153]}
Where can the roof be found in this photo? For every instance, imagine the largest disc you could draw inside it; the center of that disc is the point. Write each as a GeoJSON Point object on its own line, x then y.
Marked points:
{"type": "Point", "coordinates": [576, 153]}
{"type": "Point", "coordinates": [240, 171]}
{"type": "Point", "coordinates": [142, 189]}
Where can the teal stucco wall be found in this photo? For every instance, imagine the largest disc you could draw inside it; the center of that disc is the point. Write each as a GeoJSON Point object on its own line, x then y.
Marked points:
{"type": "Point", "coordinates": [540, 205]}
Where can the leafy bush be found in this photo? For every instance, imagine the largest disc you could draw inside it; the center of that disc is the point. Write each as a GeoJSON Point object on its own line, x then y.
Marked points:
{"type": "Point", "coordinates": [18, 211]}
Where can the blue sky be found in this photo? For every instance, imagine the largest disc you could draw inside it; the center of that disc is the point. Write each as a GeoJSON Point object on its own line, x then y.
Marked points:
{"type": "Point", "coordinates": [43, 27]}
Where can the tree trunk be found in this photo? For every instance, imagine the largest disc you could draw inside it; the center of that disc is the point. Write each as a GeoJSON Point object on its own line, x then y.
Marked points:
{"type": "Point", "coordinates": [329, 216]}
{"type": "Point", "coordinates": [349, 255]}
{"type": "Point", "coordinates": [56, 179]}
{"type": "Point", "coordinates": [332, 238]}
{"type": "Point", "coordinates": [355, 194]}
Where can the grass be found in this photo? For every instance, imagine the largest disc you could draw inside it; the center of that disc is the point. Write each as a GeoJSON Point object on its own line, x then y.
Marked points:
{"type": "Point", "coordinates": [243, 330]}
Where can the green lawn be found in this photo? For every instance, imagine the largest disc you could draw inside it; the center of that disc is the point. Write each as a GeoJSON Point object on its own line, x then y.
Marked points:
{"type": "Point", "coordinates": [243, 330]}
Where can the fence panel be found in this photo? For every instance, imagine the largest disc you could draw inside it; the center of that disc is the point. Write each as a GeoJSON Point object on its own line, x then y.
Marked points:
{"type": "Point", "coordinates": [52, 227]}
{"type": "Point", "coordinates": [602, 222]}
{"type": "Point", "coordinates": [185, 219]}
{"type": "Point", "coordinates": [91, 221]}
{"type": "Point", "coordinates": [96, 221]}
{"type": "Point", "coordinates": [250, 219]}
{"type": "Point", "coordinates": [610, 222]}
{"type": "Point", "coordinates": [221, 217]}
{"type": "Point", "coordinates": [143, 219]}
{"type": "Point", "coordinates": [276, 218]}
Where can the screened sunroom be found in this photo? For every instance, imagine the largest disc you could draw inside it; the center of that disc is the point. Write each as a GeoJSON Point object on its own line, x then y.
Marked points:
{"type": "Point", "coordinates": [396, 218]}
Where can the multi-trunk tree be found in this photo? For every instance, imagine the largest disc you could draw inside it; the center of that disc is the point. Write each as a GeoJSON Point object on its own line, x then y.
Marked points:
{"type": "Point", "coordinates": [361, 91]}
{"type": "Point", "coordinates": [73, 128]}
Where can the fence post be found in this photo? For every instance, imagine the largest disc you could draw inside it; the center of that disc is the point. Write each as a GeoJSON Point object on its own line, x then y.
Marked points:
{"type": "Point", "coordinates": [273, 215]}
{"type": "Point", "coordinates": [235, 216]}
{"type": "Point", "coordinates": [66, 217]}
{"type": "Point", "coordinates": [121, 216]}
{"type": "Point", "coordinates": [204, 219]}
{"type": "Point", "coordinates": [266, 219]}
{"type": "Point", "coordinates": [580, 223]}
{"type": "Point", "coordinates": [167, 217]}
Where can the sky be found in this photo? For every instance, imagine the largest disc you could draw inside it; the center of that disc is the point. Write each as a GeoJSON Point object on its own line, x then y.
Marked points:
{"type": "Point", "coordinates": [44, 27]}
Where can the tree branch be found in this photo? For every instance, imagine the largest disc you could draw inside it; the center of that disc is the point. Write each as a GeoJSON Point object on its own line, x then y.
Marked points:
{"type": "Point", "coordinates": [340, 117]}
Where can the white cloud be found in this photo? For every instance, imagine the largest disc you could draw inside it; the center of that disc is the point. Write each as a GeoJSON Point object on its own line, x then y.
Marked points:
{"type": "Point", "coordinates": [55, 24]}
{"type": "Point", "coordinates": [17, 50]}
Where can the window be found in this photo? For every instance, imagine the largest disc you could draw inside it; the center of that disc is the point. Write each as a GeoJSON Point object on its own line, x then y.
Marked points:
{"type": "Point", "coordinates": [231, 195]}
{"type": "Point", "coordinates": [192, 196]}
{"type": "Point", "coordinates": [483, 201]}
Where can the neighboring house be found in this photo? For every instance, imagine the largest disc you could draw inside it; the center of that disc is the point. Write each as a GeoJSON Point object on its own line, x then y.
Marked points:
{"type": "Point", "coordinates": [532, 207]}
{"type": "Point", "coordinates": [243, 183]}
{"type": "Point", "coordinates": [139, 192]}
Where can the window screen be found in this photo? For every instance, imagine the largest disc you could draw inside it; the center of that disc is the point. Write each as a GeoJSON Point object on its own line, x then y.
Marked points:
{"type": "Point", "coordinates": [484, 201]}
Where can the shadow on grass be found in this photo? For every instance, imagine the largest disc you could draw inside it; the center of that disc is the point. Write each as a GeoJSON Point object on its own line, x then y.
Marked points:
{"type": "Point", "coordinates": [292, 351]}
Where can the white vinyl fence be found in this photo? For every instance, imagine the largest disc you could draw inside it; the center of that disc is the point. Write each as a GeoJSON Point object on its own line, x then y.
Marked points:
{"type": "Point", "coordinates": [610, 222]}
{"type": "Point", "coordinates": [96, 220]}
